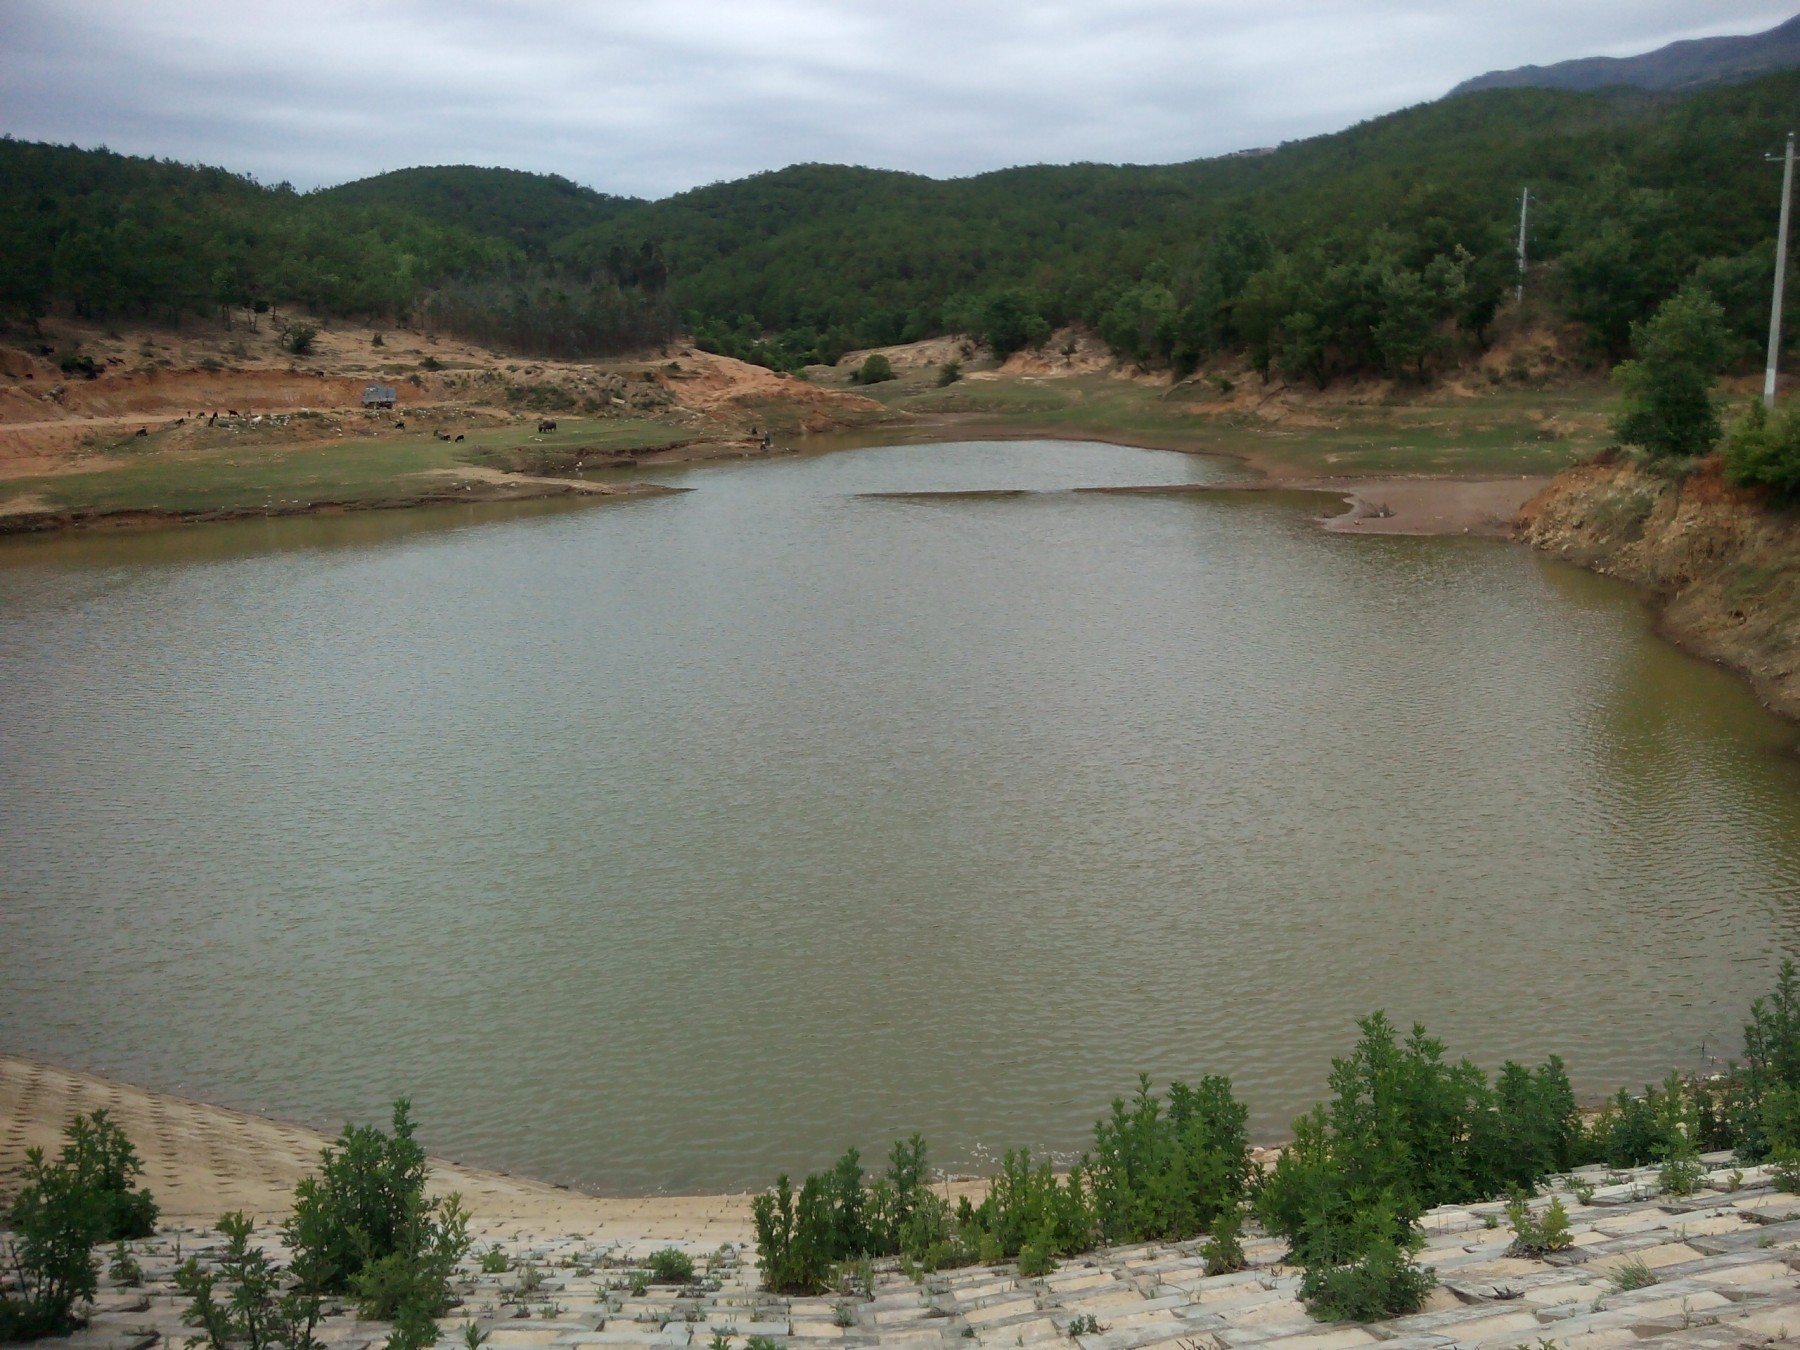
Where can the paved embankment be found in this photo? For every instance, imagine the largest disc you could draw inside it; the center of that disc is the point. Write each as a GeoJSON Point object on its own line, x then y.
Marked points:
{"type": "Point", "coordinates": [1724, 1260]}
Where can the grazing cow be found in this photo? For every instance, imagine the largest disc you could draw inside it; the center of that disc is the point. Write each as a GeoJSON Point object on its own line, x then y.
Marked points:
{"type": "Point", "coordinates": [459, 435]}
{"type": "Point", "coordinates": [233, 412]}
{"type": "Point", "coordinates": [399, 426]}
{"type": "Point", "coordinates": [142, 431]}
{"type": "Point", "coordinates": [546, 425]}
{"type": "Point", "coordinates": [440, 435]}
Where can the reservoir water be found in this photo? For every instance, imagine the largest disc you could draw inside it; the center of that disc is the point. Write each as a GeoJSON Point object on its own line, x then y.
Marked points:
{"type": "Point", "coordinates": [672, 843]}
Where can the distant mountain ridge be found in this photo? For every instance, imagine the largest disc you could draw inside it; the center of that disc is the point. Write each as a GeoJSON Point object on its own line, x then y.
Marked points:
{"type": "Point", "coordinates": [1680, 65]}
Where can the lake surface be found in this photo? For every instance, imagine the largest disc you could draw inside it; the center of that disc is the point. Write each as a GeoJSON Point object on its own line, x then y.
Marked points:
{"type": "Point", "coordinates": [671, 843]}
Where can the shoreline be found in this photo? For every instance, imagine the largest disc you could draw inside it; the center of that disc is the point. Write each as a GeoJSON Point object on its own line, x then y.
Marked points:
{"type": "Point", "coordinates": [1395, 504]}
{"type": "Point", "coordinates": [202, 1160]}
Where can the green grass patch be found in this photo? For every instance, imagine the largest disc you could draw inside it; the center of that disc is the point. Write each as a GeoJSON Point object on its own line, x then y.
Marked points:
{"type": "Point", "coordinates": [244, 476]}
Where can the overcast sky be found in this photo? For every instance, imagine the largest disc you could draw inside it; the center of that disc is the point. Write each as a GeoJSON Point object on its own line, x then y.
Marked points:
{"type": "Point", "coordinates": [649, 97]}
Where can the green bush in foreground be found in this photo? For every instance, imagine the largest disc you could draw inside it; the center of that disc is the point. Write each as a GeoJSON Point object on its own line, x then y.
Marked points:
{"type": "Point", "coordinates": [364, 1226]}
{"type": "Point", "coordinates": [671, 1265]}
{"type": "Point", "coordinates": [256, 1310]}
{"type": "Point", "coordinates": [86, 1196]}
{"type": "Point", "coordinates": [1383, 1282]}
{"type": "Point", "coordinates": [1534, 1236]}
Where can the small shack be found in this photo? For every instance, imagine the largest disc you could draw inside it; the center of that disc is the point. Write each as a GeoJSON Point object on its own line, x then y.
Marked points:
{"type": "Point", "coordinates": [378, 396]}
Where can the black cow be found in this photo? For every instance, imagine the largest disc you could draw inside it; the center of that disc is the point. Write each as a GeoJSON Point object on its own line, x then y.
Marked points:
{"type": "Point", "coordinates": [546, 425]}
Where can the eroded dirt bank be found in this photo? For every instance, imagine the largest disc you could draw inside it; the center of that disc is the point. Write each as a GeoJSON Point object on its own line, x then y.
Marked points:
{"type": "Point", "coordinates": [1722, 564]}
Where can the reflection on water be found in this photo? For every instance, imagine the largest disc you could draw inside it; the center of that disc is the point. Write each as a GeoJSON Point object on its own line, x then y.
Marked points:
{"type": "Point", "coordinates": [675, 842]}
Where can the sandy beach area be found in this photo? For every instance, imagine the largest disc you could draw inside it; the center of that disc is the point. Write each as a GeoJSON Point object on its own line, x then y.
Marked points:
{"type": "Point", "coordinates": [201, 1161]}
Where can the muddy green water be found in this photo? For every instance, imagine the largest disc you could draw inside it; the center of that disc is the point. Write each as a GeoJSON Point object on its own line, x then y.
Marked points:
{"type": "Point", "coordinates": [668, 844]}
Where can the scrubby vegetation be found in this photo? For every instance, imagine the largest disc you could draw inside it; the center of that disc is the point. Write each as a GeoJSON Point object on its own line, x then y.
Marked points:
{"type": "Point", "coordinates": [88, 1195]}
{"type": "Point", "coordinates": [242, 1298]}
{"type": "Point", "coordinates": [1763, 450]}
{"type": "Point", "coordinates": [363, 1226]}
{"type": "Point", "coordinates": [1404, 1131]}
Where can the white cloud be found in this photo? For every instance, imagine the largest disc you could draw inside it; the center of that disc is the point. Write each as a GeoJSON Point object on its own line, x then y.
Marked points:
{"type": "Point", "coordinates": [651, 99]}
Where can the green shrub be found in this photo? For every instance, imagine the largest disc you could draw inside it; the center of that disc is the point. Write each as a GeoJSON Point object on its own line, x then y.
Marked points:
{"type": "Point", "coordinates": [1026, 1203]}
{"type": "Point", "coordinates": [64, 1208]}
{"type": "Point", "coordinates": [671, 1265]}
{"type": "Point", "coordinates": [1036, 1258]}
{"type": "Point", "coordinates": [1223, 1251]}
{"type": "Point", "coordinates": [874, 370]}
{"type": "Point", "coordinates": [793, 1237]}
{"type": "Point", "coordinates": [1682, 1171]}
{"type": "Point", "coordinates": [124, 1267]}
{"type": "Point", "coordinates": [1784, 1169]}
{"type": "Point", "coordinates": [300, 338]}
{"type": "Point", "coordinates": [1168, 1176]}
{"type": "Point", "coordinates": [364, 1226]}
{"type": "Point", "coordinates": [1383, 1282]}
{"type": "Point", "coordinates": [1534, 1236]}
{"type": "Point", "coordinates": [255, 1309]}
{"type": "Point", "coordinates": [415, 1281]}
{"type": "Point", "coordinates": [1764, 451]}
{"type": "Point", "coordinates": [56, 1221]}
{"type": "Point", "coordinates": [1084, 1324]}
{"type": "Point", "coordinates": [105, 1165]}
{"type": "Point", "coordinates": [949, 373]}
{"type": "Point", "coordinates": [494, 1261]}
{"type": "Point", "coordinates": [1766, 1112]}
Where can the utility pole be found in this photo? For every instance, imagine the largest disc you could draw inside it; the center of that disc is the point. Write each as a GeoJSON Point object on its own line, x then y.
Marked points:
{"type": "Point", "coordinates": [1787, 193]}
{"type": "Point", "coordinates": [1524, 208]}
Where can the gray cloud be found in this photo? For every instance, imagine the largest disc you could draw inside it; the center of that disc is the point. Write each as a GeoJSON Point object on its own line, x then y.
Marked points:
{"type": "Point", "coordinates": [650, 99]}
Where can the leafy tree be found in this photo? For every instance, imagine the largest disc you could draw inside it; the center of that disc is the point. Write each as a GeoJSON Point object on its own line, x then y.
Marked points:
{"type": "Point", "coordinates": [1669, 410]}
{"type": "Point", "coordinates": [1010, 320]}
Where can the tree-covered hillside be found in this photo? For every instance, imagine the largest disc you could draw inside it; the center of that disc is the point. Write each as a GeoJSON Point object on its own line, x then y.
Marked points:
{"type": "Point", "coordinates": [530, 210]}
{"type": "Point", "coordinates": [109, 235]}
{"type": "Point", "coordinates": [1384, 248]}
{"type": "Point", "coordinates": [1345, 252]}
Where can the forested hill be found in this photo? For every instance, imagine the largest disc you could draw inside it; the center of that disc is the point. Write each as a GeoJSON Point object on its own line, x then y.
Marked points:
{"type": "Point", "coordinates": [1345, 252]}
{"type": "Point", "coordinates": [1386, 247]}
{"type": "Point", "coordinates": [1680, 65]}
{"type": "Point", "coordinates": [109, 235]}
{"type": "Point", "coordinates": [530, 210]}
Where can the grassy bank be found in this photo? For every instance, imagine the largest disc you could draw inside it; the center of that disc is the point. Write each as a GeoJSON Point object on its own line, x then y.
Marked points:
{"type": "Point", "coordinates": [1508, 430]}
{"type": "Point", "coordinates": [269, 470]}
